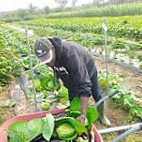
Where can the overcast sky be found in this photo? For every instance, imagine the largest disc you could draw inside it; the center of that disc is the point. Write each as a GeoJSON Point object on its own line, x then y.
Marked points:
{"type": "Point", "coordinates": [8, 5]}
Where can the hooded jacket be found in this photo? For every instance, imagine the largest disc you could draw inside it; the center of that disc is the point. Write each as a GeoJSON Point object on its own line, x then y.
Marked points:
{"type": "Point", "coordinates": [74, 65]}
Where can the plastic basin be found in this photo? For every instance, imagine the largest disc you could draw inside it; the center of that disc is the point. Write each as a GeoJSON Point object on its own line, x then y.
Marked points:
{"type": "Point", "coordinates": [28, 117]}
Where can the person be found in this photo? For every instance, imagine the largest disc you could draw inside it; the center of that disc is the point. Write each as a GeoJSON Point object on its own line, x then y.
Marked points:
{"type": "Point", "coordinates": [75, 66]}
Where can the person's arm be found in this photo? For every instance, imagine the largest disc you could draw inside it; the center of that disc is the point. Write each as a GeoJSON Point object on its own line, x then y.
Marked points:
{"type": "Point", "coordinates": [84, 104]}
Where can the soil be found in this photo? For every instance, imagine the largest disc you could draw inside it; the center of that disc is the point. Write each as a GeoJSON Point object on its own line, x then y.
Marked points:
{"type": "Point", "coordinates": [5, 113]}
{"type": "Point", "coordinates": [118, 116]}
{"type": "Point", "coordinates": [132, 80]}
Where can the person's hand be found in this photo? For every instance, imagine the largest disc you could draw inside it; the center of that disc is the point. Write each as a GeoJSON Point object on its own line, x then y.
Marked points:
{"type": "Point", "coordinates": [81, 119]}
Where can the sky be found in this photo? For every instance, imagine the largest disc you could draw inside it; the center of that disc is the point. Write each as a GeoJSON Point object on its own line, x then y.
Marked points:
{"type": "Point", "coordinates": [8, 5]}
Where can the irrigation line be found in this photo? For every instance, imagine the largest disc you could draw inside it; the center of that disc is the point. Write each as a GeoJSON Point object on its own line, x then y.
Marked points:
{"type": "Point", "coordinates": [119, 63]}
{"type": "Point", "coordinates": [118, 128]}
{"type": "Point", "coordinates": [128, 132]}
{"type": "Point", "coordinates": [31, 67]}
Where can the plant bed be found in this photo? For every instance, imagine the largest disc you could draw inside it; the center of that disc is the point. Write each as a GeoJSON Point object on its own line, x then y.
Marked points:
{"type": "Point", "coordinates": [53, 125]}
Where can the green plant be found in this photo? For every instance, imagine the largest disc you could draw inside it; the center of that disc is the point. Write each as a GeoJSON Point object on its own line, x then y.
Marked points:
{"type": "Point", "coordinates": [75, 110]}
{"type": "Point", "coordinates": [66, 131]}
{"type": "Point", "coordinates": [9, 66]}
{"type": "Point", "coordinates": [27, 131]}
{"type": "Point", "coordinates": [66, 128]}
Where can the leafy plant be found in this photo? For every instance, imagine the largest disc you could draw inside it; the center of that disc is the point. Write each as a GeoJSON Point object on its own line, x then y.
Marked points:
{"type": "Point", "coordinates": [27, 131]}
{"type": "Point", "coordinates": [74, 128]}
{"type": "Point", "coordinates": [48, 127]}
{"type": "Point", "coordinates": [66, 128]}
{"type": "Point", "coordinates": [75, 110]}
{"type": "Point", "coordinates": [24, 131]}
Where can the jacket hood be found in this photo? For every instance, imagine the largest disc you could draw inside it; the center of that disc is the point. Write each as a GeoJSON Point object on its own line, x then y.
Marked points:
{"type": "Point", "coordinates": [57, 43]}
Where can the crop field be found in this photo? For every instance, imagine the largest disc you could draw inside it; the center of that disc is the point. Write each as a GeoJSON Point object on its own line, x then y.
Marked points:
{"type": "Point", "coordinates": [43, 91]}
{"type": "Point", "coordinates": [124, 35]}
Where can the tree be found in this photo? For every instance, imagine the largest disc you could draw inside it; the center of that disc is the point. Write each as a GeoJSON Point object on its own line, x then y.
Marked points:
{"type": "Point", "coordinates": [32, 8]}
{"type": "Point", "coordinates": [62, 3]}
{"type": "Point", "coordinates": [98, 2]}
{"type": "Point", "coordinates": [74, 2]}
{"type": "Point", "coordinates": [46, 9]}
{"type": "Point", "coordinates": [21, 13]}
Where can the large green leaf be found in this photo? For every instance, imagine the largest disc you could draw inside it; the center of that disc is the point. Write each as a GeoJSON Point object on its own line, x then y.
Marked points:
{"type": "Point", "coordinates": [34, 128]}
{"type": "Point", "coordinates": [77, 125]}
{"type": "Point", "coordinates": [25, 132]}
{"type": "Point", "coordinates": [16, 131]}
{"type": "Point", "coordinates": [48, 127]}
{"type": "Point", "coordinates": [92, 115]}
{"type": "Point", "coordinates": [75, 104]}
{"type": "Point", "coordinates": [66, 131]}
{"type": "Point", "coordinates": [14, 137]}
{"type": "Point", "coordinates": [75, 108]}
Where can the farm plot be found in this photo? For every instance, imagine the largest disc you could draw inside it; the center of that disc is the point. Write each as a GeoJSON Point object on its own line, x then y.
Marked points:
{"type": "Point", "coordinates": [44, 87]}
{"type": "Point", "coordinates": [124, 36]}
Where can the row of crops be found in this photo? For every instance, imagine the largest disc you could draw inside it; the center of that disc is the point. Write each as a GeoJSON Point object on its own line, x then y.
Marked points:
{"type": "Point", "coordinates": [15, 62]}
{"type": "Point", "coordinates": [46, 85]}
{"type": "Point", "coordinates": [108, 10]}
{"type": "Point", "coordinates": [124, 36]}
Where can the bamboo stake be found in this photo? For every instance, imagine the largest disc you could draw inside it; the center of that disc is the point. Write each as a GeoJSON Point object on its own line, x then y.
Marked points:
{"type": "Point", "coordinates": [106, 54]}
{"type": "Point", "coordinates": [31, 69]}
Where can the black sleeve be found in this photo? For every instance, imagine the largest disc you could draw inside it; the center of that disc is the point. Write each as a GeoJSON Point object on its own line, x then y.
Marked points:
{"type": "Point", "coordinates": [80, 74]}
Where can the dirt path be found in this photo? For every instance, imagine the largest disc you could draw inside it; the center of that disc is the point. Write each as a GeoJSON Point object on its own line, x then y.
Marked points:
{"type": "Point", "coordinates": [14, 27]}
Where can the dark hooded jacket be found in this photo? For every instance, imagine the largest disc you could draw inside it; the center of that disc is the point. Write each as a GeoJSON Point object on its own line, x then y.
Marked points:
{"type": "Point", "coordinates": [74, 65]}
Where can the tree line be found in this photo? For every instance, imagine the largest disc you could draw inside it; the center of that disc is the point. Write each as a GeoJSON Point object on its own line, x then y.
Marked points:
{"type": "Point", "coordinates": [33, 12]}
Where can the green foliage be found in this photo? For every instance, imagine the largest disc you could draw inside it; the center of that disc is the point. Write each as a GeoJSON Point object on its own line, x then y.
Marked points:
{"type": "Point", "coordinates": [27, 131]}
{"type": "Point", "coordinates": [117, 26]}
{"type": "Point", "coordinates": [49, 83]}
{"type": "Point", "coordinates": [110, 10]}
{"type": "Point", "coordinates": [92, 116]}
{"type": "Point", "coordinates": [114, 80]}
{"type": "Point", "coordinates": [125, 98]}
{"type": "Point", "coordinates": [66, 131]}
{"type": "Point", "coordinates": [66, 128]}
{"type": "Point", "coordinates": [45, 105]}
{"type": "Point", "coordinates": [45, 79]}
{"type": "Point", "coordinates": [9, 67]}
{"type": "Point", "coordinates": [90, 10]}
{"type": "Point", "coordinates": [128, 101]}
{"type": "Point", "coordinates": [48, 127]}
{"type": "Point", "coordinates": [77, 126]}
{"type": "Point", "coordinates": [85, 32]}
{"type": "Point", "coordinates": [62, 95]}
{"type": "Point", "coordinates": [75, 110]}
{"type": "Point", "coordinates": [140, 57]}
{"type": "Point", "coordinates": [75, 104]}
{"type": "Point", "coordinates": [120, 44]}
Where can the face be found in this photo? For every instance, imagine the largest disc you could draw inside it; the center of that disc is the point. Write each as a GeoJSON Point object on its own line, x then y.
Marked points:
{"type": "Point", "coordinates": [51, 64]}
